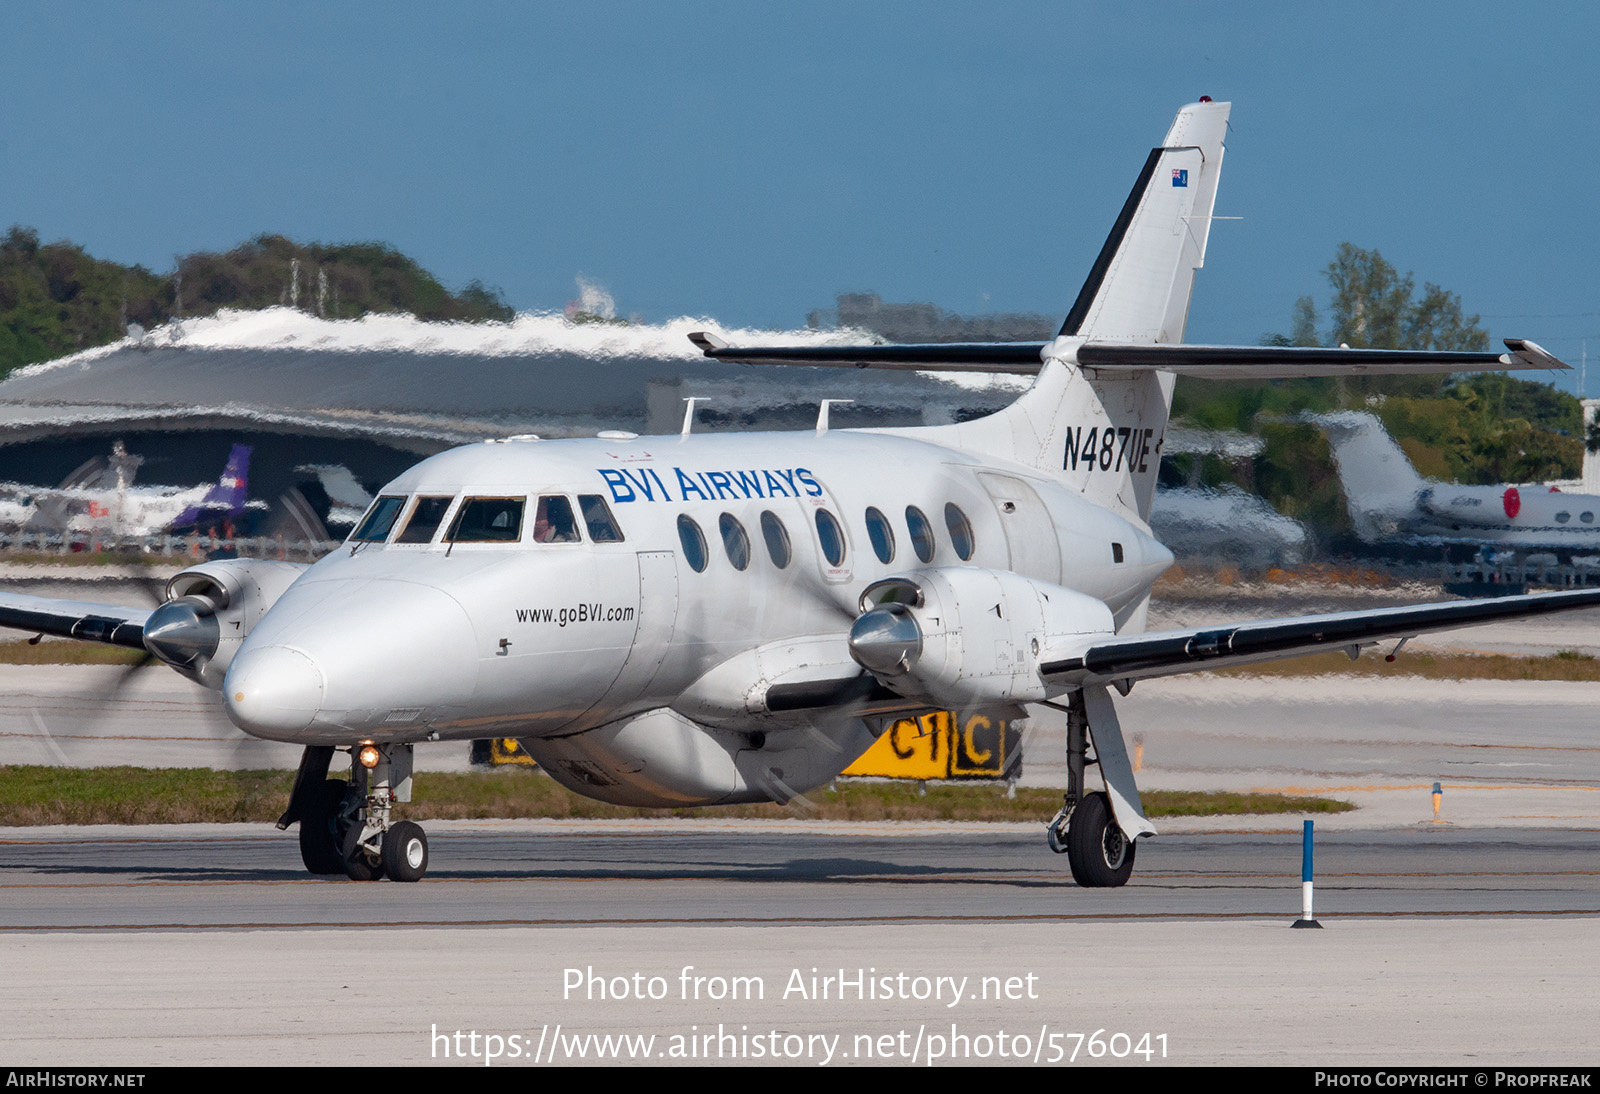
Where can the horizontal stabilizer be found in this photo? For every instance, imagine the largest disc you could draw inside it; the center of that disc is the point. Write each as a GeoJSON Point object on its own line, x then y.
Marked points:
{"type": "Point", "coordinates": [1169, 653]}
{"type": "Point", "coordinates": [1206, 362]}
{"type": "Point", "coordinates": [1018, 357]}
{"type": "Point", "coordinates": [1278, 362]}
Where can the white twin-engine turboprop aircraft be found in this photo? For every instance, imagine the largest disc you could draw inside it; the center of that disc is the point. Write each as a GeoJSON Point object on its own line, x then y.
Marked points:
{"type": "Point", "coordinates": [701, 619]}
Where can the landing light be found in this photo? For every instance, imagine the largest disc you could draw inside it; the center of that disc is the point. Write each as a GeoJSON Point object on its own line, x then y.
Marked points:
{"type": "Point", "coordinates": [368, 756]}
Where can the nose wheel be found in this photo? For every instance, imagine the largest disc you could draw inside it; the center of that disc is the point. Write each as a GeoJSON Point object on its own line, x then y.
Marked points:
{"type": "Point", "coordinates": [405, 852]}
{"type": "Point", "coordinates": [346, 827]}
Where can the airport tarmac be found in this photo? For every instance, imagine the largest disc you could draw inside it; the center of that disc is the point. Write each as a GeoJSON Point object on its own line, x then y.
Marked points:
{"type": "Point", "coordinates": [207, 944]}
{"type": "Point", "coordinates": [1456, 941]}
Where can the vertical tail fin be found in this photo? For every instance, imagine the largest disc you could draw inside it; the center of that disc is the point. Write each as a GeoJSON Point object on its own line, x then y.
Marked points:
{"type": "Point", "coordinates": [227, 496]}
{"type": "Point", "coordinates": [1379, 482]}
{"type": "Point", "coordinates": [1138, 289]}
{"type": "Point", "coordinates": [1102, 433]}
{"type": "Point", "coordinates": [231, 489]}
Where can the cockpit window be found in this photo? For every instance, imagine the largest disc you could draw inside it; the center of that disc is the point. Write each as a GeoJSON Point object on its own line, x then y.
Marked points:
{"type": "Point", "coordinates": [425, 518]}
{"type": "Point", "coordinates": [553, 522]}
{"type": "Point", "coordinates": [488, 520]}
{"type": "Point", "coordinates": [597, 515]}
{"type": "Point", "coordinates": [380, 518]}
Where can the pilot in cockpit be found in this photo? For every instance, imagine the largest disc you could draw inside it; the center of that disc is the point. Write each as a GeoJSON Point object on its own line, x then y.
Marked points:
{"type": "Point", "coordinates": [553, 521]}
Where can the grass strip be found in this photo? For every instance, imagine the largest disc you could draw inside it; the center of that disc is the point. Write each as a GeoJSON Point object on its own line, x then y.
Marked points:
{"type": "Point", "coordinates": [32, 795]}
{"type": "Point", "coordinates": [1561, 665]}
{"type": "Point", "coordinates": [67, 652]}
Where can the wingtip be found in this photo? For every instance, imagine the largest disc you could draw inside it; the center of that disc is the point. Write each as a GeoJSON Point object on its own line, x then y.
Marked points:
{"type": "Point", "coordinates": [707, 342]}
{"type": "Point", "coordinates": [1533, 355]}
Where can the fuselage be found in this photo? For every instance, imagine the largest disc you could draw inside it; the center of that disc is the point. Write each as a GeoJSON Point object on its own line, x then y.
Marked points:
{"type": "Point", "coordinates": [542, 588]}
{"type": "Point", "coordinates": [1513, 516]}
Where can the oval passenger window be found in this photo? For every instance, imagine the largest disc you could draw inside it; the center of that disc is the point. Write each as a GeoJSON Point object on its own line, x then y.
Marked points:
{"type": "Point", "coordinates": [881, 534]}
{"type": "Point", "coordinates": [734, 540]}
{"type": "Point", "coordinates": [921, 533]}
{"type": "Point", "coordinates": [694, 544]}
{"type": "Point", "coordinates": [777, 537]}
{"type": "Point", "coordinates": [831, 536]}
{"type": "Point", "coordinates": [960, 531]}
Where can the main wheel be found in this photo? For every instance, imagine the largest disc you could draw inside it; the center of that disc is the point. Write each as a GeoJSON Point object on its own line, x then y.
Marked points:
{"type": "Point", "coordinates": [1099, 854]}
{"type": "Point", "coordinates": [319, 829]}
{"type": "Point", "coordinates": [358, 867]}
{"type": "Point", "coordinates": [405, 851]}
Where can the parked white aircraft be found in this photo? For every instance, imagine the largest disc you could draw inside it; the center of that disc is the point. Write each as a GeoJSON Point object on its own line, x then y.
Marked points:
{"type": "Point", "coordinates": [107, 501]}
{"type": "Point", "coordinates": [1390, 503]}
{"type": "Point", "coordinates": [700, 619]}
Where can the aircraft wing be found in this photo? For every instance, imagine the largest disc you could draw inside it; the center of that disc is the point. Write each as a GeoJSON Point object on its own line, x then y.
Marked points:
{"type": "Point", "coordinates": [1206, 362]}
{"type": "Point", "coordinates": [108, 623]}
{"type": "Point", "coordinates": [1197, 649]}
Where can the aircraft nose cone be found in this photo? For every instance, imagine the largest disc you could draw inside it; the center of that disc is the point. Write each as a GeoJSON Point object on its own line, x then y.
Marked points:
{"type": "Point", "coordinates": [273, 691]}
{"type": "Point", "coordinates": [885, 641]}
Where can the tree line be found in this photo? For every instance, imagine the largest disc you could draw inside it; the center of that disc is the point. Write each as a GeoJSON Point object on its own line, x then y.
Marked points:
{"type": "Point", "coordinates": [56, 299]}
{"type": "Point", "coordinates": [1477, 428]}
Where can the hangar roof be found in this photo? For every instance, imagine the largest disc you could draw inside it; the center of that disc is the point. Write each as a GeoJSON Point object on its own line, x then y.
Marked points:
{"type": "Point", "coordinates": [424, 386]}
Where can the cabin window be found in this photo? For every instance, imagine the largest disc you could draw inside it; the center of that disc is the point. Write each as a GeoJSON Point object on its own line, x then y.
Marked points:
{"type": "Point", "coordinates": [1563, 516]}
{"type": "Point", "coordinates": [921, 533]}
{"type": "Point", "coordinates": [488, 520]}
{"type": "Point", "coordinates": [426, 516]}
{"type": "Point", "coordinates": [553, 521]}
{"type": "Point", "coordinates": [380, 518]}
{"type": "Point", "coordinates": [960, 531]}
{"type": "Point", "coordinates": [777, 537]}
{"type": "Point", "coordinates": [734, 541]}
{"type": "Point", "coordinates": [597, 515]}
{"type": "Point", "coordinates": [694, 544]}
{"type": "Point", "coordinates": [831, 536]}
{"type": "Point", "coordinates": [881, 535]}
{"type": "Point", "coordinates": [1587, 518]}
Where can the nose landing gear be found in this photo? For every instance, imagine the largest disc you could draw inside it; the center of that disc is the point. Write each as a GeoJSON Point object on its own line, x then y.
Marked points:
{"type": "Point", "coordinates": [346, 827]}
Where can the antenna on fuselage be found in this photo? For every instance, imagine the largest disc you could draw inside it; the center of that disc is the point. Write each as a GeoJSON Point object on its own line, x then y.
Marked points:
{"type": "Point", "coordinates": [822, 413]}
{"type": "Point", "coordinates": [688, 413]}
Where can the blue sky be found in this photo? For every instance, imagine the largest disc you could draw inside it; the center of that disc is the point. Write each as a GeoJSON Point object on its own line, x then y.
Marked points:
{"type": "Point", "coordinates": [747, 161]}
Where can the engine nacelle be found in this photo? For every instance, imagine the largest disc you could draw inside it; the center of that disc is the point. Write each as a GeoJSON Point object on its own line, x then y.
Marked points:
{"type": "Point", "coordinates": [660, 758]}
{"type": "Point", "coordinates": [964, 636]}
{"type": "Point", "coordinates": [209, 610]}
{"type": "Point", "coordinates": [734, 694]}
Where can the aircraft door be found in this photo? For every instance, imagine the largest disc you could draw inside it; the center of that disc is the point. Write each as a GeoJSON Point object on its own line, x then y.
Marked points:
{"type": "Point", "coordinates": [652, 636]}
{"type": "Point", "coordinates": [829, 533]}
{"type": "Point", "coordinates": [1030, 535]}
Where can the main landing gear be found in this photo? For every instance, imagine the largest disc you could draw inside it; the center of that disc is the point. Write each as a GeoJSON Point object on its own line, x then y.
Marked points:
{"type": "Point", "coordinates": [1098, 849]}
{"type": "Point", "coordinates": [345, 827]}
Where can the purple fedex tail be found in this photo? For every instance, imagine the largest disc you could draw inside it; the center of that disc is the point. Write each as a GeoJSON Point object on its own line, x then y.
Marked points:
{"type": "Point", "coordinates": [226, 499]}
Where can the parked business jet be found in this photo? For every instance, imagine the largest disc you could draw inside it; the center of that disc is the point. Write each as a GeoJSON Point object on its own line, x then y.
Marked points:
{"type": "Point", "coordinates": [1390, 503]}
{"type": "Point", "coordinates": [700, 619]}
